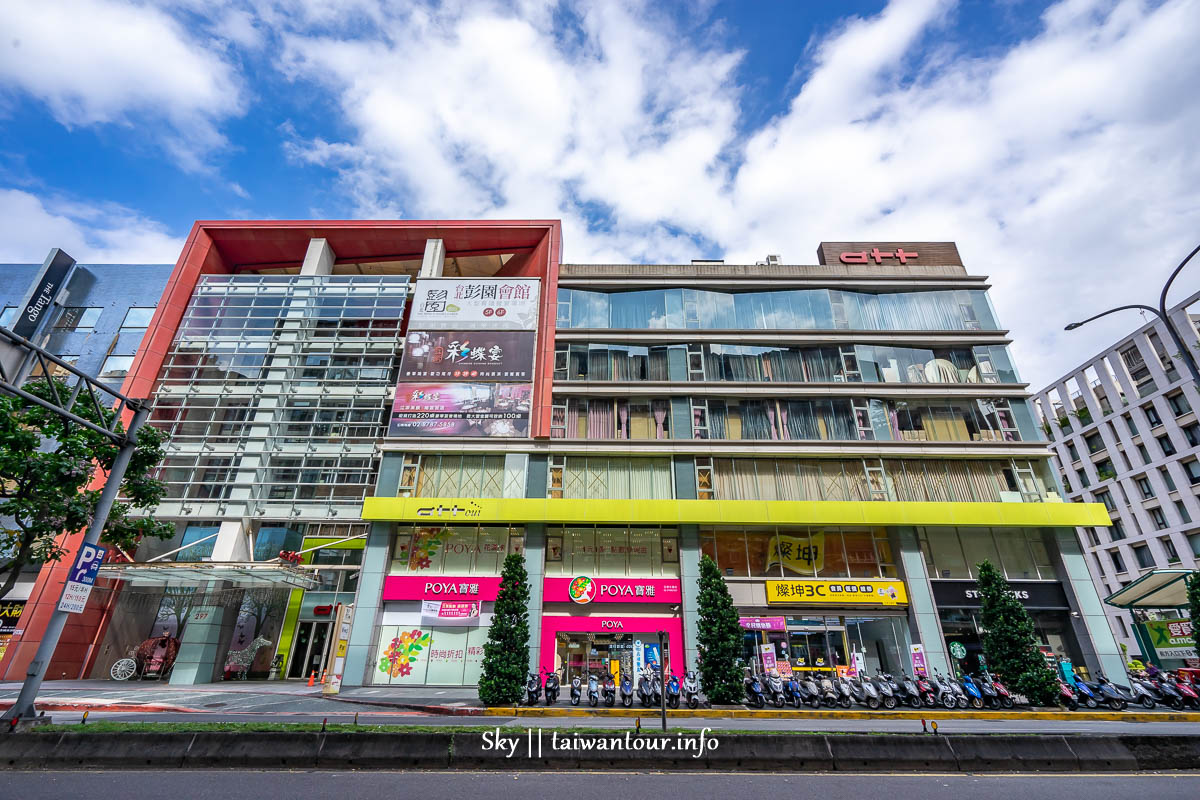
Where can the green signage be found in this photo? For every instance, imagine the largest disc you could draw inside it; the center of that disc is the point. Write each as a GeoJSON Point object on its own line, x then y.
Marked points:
{"type": "Point", "coordinates": [957, 650]}
{"type": "Point", "coordinates": [1171, 638]}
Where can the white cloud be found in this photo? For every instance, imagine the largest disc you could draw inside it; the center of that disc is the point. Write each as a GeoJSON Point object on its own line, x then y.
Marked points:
{"type": "Point", "coordinates": [129, 64]}
{"type": "Point", "coordinates": [30, 226]}
{"type": "Point", "coordinates": [1064, 166]}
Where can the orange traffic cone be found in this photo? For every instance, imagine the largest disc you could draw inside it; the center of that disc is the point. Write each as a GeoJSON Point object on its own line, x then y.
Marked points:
{"type": "Point", "coordinates": [322, 677]}
{"type": "Point", "coordinates": [312, 678]}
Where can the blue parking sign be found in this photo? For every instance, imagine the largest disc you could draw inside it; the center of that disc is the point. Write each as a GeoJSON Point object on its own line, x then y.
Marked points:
{"type": "Point", "coordinates": [83, 576]}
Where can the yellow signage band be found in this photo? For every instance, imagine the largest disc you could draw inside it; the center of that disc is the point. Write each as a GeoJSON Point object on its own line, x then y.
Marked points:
{"type": "Point", "coordinates": [840, 591]}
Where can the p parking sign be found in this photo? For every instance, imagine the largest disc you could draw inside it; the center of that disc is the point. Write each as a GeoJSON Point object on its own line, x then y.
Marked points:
{"type": "Point", "coordinates": [83, 577]}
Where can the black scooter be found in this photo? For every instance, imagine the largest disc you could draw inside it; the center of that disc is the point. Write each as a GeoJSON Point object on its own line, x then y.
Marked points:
{"type": "Point", "coordinates": [626, 691]}
{"type": "Point", "coordinates": [551, 688]}
{"type": "Point", "coordinates": [533, 689]}
{"type": "Point", "coordinates": [576, 690]}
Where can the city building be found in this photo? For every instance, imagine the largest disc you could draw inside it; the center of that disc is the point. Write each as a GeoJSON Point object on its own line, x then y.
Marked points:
{"type": "Point", "coordinates": [96, 325]}
{"type": "Point", "coordinates": [1124, 433]}
{"type": "Point", "coordinates": [379, 412]}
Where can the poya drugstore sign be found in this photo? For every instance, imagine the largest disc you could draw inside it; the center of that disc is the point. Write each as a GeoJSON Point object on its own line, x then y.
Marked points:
{"type": "Point", "coordinates": [583, 589]}
{"type": "Point", "coordinates": [440, 587]}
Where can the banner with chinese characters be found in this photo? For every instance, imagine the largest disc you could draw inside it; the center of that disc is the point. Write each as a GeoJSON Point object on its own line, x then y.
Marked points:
{"type": "Point", "coordinates": [475, 304]}
{"type": "Point", "coordinates": [10, 612]}
{"type": "Point", "coordinates": [837, 592]}
{"type": "Point", "coordinates": [583, 589]}
{"type": "Point", "coordinates": [493, 410]}
{"type": "Point", "coordinates": [1171, 638]}
{"type": "Point", "coordinates": [449, 612]}
{"type": "Point", "coordinates": [468, 355]}
{"type": "Point", "coordinates": [802, 554]}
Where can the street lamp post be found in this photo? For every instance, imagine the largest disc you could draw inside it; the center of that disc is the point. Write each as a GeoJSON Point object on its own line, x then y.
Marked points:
{"type": "Point", "coordinates": [1161, 313]}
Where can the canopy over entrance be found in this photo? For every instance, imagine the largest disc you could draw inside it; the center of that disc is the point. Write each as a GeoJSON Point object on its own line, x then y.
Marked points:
{"type": "Point", "coordinates": [198, 573]}
{"type": "Point", "coordinates": [1161, 588]}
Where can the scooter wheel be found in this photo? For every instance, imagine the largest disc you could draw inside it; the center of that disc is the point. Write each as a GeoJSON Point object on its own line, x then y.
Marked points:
{"type": "Point", "coordinates": [778, 701]}
{"type": "Point", "coordinates": [608, 702]}
{"type": "Point", "coordinates": [673, 702]}
{"type": "Point", "coordinates": [962, 702]}
{"type": "Point", "coordinates": [976, 702]}
{"type": "Point", "coordinates": [889, 703]}
{"type": "Point", "coordinates": [1147, 702]}
{"type": "Point", "coordinates": [796, 703]}
{"type": "Point", "coordinates": [1176, 704]}
{"type": "Point", "coordinates": [948, 701]}
{"type": "Point", "coordinates": [1117, 704]}
{"type": "Point", "coordinates": [1072, 705]}
{"type": "Point", "coordinates": [627, 702]}
{"type": "Point", "coordinates": [1091, 703]}
{"type": "Point", "coordinates": [759, 702]}
{"type": "Point", "coordinates": [930, 701]}
{"type": "Point", "coordinates": [872, 703]}
{"type": "Point", "coordinates": [1006, 702]}
{"type": "Point", "coordinates": [830, 702]}
{"type": "Point", "coordinates": [815, 703]}
{"type": "Point", "coordinates": [592, 702]}
{"type": "Point", "coordinates": [693, 702]}
{"type": "Point", "coordinates": [914, 702]}
{"type": "Point", "coordinates": [844, 702]}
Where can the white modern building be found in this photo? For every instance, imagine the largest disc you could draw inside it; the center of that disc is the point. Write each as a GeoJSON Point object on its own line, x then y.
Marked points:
{"type": "Point", "coordinates": [1125, 433]}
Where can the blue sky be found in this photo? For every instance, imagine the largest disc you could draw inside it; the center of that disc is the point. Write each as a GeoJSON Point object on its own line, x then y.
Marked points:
{"type": "Point", "coordinates": [1052, 141]}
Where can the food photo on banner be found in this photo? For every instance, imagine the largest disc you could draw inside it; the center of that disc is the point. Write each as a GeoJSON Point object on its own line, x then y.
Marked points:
{"type": "Point", "coordinates": [475, 304]}
{"type": "Point", "coordinates": [468, 355]}
{"type": "Point", "coordinates": [494, 410]}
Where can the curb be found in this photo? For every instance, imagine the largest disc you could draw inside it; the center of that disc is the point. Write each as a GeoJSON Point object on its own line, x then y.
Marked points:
{"type": "Point", "coordinates": [446, 711]}
{"type": "Point", "coordinates": [553, 750]}
{"type": "Point", "coordinates": [99, 705]}
{"type": "Point", "coordinates": [825, 714]}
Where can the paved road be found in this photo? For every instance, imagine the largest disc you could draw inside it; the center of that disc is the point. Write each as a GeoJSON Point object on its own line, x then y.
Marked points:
{"type": "Point", "coordinates": [221, 785]}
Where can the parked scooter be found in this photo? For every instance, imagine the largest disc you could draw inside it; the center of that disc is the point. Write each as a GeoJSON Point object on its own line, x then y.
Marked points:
{"type": "Point", "coordinates": [1186, 690]}
{"type": "Point", "coordinates": [865, 692]}
{"type": "Point", "coordinates": [1166, 689]}
{"type": "Point", "coordinates": [610, 690]}
{"type": "Point", "coordinates": [691, 689]}
{"type": "Point", "coordinates": [1066, 695]}
{"type": "Point", "coordinates": [1142, 693]}
{"type": "Point", "coordinates": [1088, 696]}
{"type": "Point", "coordinates": [551, 687]}
{"type": "Point", "coordinates": [647, 695]}
{"type": "Point", "coordinates": [1109, 694]}
{"type": "Point", "coordinates": [1002, 692]}
{"type": "Point", "coordinates": [972, 692]}
{"type": "Point", "coordinates": [626, 691]}
{"type": "Point", "coordinates": [593, 690]}
{"type": "Point", "coordinates": [813, 693]}
{"type": "Point", "coordinates": [673, 691]}
{"type": "Point", "coordinates": [889, 688]}
{"type": "Point", "coordinates": [754, 691]}
{"type": "Point", "coordinates": [576, 690]}
{"type": "Point", "coordinates": [829, 692]}
{"type": "Point", "coordinates": [991, 698]}
{"type": "Point", "coordinates": [912, 693]}
{"type": "Point", "coordinates": [533, 689]}
{"type": "Point", "coordinates": [792, 693]}
{"type": "Point", "coordinates": [774, 689]}
{"type": "Point", "coordinates": [927, 691]}
{"type": "Point", "coordinates": [942, 686]}
{"type": "Point", "coordinates": [845, 691]}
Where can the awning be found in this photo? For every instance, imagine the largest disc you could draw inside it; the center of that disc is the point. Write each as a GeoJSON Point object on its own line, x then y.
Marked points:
{"type": "Point", "coordinates": [1161, 588]}
{"type": "Point", "coordinates": [199, 573]}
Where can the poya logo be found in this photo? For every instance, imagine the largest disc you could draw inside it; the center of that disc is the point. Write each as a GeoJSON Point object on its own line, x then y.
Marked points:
{"type": "Point", "coordinates": [582, 590]}
{"type": "Point", "coordinates": [470, 510]}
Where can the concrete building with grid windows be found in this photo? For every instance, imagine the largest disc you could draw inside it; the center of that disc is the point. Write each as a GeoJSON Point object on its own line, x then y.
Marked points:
{"type": "Point", "coordinates": [1124, 430]}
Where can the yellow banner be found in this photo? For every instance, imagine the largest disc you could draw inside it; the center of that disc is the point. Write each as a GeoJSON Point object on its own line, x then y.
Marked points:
{"type": "Point", "coordinates": [861, 592]}
{"type": "Point", "coordinates": [803, 554]}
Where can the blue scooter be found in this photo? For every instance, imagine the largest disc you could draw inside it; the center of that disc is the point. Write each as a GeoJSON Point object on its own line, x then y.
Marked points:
{"type": "Point", "coordinates": [974, 695]}
{"type": "Point", "coordinates": [754, 691]}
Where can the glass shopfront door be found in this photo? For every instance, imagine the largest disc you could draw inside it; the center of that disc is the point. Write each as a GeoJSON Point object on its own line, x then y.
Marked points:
{"type": "Point", "coordinates": [308, 651]}
{"type": "Point", "coordinates": [822, 643]}
{"type": "Point", "coordinates": [599, 654]}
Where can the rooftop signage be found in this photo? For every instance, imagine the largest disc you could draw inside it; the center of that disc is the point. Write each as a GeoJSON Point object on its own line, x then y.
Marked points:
{"type": "Point", "coordinates": [889, 253]}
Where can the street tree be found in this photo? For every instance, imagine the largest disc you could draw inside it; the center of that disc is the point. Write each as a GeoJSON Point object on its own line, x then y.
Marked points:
{"type": "Point", "coordinates": [719, 639]}
{"type": "Point", "coordinates": [46, 466]}
{"type": "Point", "coordinates": [506, 653]}
{"type": "Point", "coordinates": [1008, 638]}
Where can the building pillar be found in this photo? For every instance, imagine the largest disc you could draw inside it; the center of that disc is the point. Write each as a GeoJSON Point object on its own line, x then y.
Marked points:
{"type": "Point", "coordinates": [1090, 623]}
{"type": "Point", "coordinates": [434, 261]}
{"type": "Point", "coordinates": [368, 603]}
{"type": "Point", "coordinates": [923, 623]}
{"type": "Point", "coordinates": [200, 646]}
{"type": "Point", "coordinates": [319, 258]}
{"type": "Point", "coordinates": [689, 579]}
{"type": "Point", "coordinates": [535, 566]}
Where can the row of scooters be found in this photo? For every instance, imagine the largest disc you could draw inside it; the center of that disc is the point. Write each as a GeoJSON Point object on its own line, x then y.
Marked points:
{"type": "Point", "coordinates": [1169, 689]}
{"type": "Point", "coordinates": [874, 691]}
{"type": "Point", "coordinates": [649, 691]}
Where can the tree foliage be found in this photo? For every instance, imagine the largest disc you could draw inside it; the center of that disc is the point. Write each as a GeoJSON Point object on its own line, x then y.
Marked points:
{"type": "Point", "coordinates": [719, 639]}
{"type": "Point", "coordinates": [1193, 595]}
{"type": "Point", "coordinates": [46, 464]}
{"type": "Point", "coordinates": [506, 653]}
{"type": "Point", "coordinates": [1008, 639]}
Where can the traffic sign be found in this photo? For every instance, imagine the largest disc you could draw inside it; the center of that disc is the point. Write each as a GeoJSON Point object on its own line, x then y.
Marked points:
{"type": "Point", "coordinates": [83, 577]}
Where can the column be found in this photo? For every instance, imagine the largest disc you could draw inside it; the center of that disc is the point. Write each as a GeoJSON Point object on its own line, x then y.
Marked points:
{"type": "Point", "coordinates": [1090, 623]}
{"type": "Point", "coordinates": [689, 578]}
{"type": "Point", "coordinates": [368, 603]}
{"type": "Point", "coordinates": [535, 566]}
{"type": "Point", "coordinates": [319, 258]}
{"type": "Point", "coordinates": [923, 623]}
{"type": "Point", "coordinates": [434, 260]}
{"type": "Point", "coordinates": [205, 640]}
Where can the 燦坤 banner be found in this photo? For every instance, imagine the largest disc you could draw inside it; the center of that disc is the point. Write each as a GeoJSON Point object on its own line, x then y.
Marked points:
{"type": "Point", "coordinates": [494, 410]}
{"type": "Point", "coordinates": [468, 355]}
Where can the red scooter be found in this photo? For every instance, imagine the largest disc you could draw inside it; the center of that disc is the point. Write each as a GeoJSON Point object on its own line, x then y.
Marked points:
{"type": "Point", "coordinates": [1186, 690]}
{"type": "Point", "coordinates": [926, 691]}
{"type": "Point", "coordinates": [1066, 695]}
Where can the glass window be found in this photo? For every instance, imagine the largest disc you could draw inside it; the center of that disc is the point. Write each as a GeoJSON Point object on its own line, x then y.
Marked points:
{"type": "Point", "coordinates": [7, 316]}
{"type": "Point", "coordinates": [459, 550]}
{"type": "Point", "coordinates": [1178, 403]}
{"type": "Point", "coordinates": [1192, 468]}
{"type": "Point", "coordinates": [1168, 448]}
{"type": "Point", "coordinates": [731, 553]}
{"type": "Point", "coordinates": [194, 533]}
{"type": "Point", "coordinates": [1117, 562]}
{"type": "Point", "coordinates": [78, 318]}
{"type": "Point", "coordinates": [490, 550]}
{"type": "Point", "coordinates": [611, 547]}
{"type": "Point", "coordinates": [978, 546]}
{"type": "Point", "coordinates": [1168, 547]}
{"type": "Point", "coordinates": [1181, 509]}
{"type": "Point", "coordinates": [833, 559]}
{"type": "Point", "coordinates": [1015, 555]}
{"type": "Point", "coordinates": [1129, 423]}
{"type": "Point", "coordinates": [1144, 558]}
{"type": "Point", "coordinates": [115, 367]}
{"type": "Point", "coordinates": [1191, 432]}
{"type": "Point", "coordinates": [1159, 518]}
{"type": "Point", "coordinates": [1194, 543]}
{"type": "Point", "coordinates": [947, 553]}
{"type": "Point", "coordinates": [1152, 415]}
{"type": "Point", "coordinates": [579, 551]}
{"type": "Point", "coordinates": [137, 318]}
{"type": "Point", "coordinates": [1144, 487]}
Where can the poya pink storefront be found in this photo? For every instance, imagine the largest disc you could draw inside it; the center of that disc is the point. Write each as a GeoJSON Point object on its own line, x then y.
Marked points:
{"type": "Point", "coordinates": [609, 625]}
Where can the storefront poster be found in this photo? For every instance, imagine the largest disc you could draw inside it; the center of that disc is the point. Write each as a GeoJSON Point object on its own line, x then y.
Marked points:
{"type": "Point", "coordinates": [468, 355]}
{"type": "Point", "coordinates": [917, 653]}
{"type": "Point", "coordinates": [583, 589]}
{"type": "Point", "coordinates": [494, 410]}
{"type": "Point", "coordinates": [803, 555]}
{"type": "Point", "coordinates": [837, 592]}
{"type": "Point", "coordinates": [438, 587]}
{"type": "Point", "coordinates": [763, 623]}
{"type": "Point", "coordinates": [475, 304]}
{"type": "Point", "coordinates": [454, 613]}
{"type": "Point", "coordinates": [767, 653]}
{"type": "Point", "coordinates": [785, 668]}
{"type": "Point", "coordinates": [10, 612]}
{"type": "Point", "coordinates": [1171, 638]}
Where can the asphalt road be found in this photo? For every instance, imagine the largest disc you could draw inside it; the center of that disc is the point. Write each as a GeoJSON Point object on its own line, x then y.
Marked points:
{"type": "Point", "coordinates": [222, 785]}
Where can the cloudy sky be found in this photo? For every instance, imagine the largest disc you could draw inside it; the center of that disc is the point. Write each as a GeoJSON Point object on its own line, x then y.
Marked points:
{"type": "Point", "coordinates": [1055, 143]}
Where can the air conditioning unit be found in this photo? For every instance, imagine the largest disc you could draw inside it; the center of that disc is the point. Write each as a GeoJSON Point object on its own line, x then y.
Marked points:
{"type": "Point", "coordinates": [773, 260]}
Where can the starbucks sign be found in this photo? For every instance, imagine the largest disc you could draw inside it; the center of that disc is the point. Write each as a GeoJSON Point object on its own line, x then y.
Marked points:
{"type": "Point", "coordinates": [957, 650]}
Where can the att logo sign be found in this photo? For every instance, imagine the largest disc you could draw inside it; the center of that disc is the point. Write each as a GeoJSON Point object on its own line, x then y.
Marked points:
{"type": "Point", "coordinates": [471, 510]}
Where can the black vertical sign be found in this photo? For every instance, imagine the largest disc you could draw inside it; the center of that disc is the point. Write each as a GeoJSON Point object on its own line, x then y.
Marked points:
{"type": "Point", "coordinates": [50, 283]}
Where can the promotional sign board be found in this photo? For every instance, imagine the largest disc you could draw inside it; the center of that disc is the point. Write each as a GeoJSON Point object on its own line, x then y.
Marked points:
{"type": "Point", "coordinates": [583, 589]}
{"type": "Point", "coordinates": [10, 612]}
{"type": "Point", "coordinates": [917, 653]}
{"type": "Point", "coordinates": [837, 592]}
{"type": "Point", "coordinates": [49, 284]}
{"type": "Point", "coordinates": [1031, 594]}
{"type": "Point", "coordinates": [1171, 638]}
{"type": "Point", "coordinates": [449, 612]}
{"type": "Point", "coordinates": [468, 355]}
{"type": "Point", "coordinates": [801, 554]}
{"type": "Point", "coordinates": [475, 304]}
{"type": "Point", "coordinates": [440, 587]}
{"type": "Point", "coordinates": [494, 410]}
{"type": "Point", "coordinates": [767, 652]}
{"type": "Point", "coordinates": [763, 623]}
{"type": "Point", "coordinates": [83, 577]}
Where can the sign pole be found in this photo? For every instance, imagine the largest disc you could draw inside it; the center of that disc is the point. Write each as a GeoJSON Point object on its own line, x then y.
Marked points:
{"type": "Point", "coordinates": [23, 708]}
{"type": "Point", "coordinates": [662, 677]}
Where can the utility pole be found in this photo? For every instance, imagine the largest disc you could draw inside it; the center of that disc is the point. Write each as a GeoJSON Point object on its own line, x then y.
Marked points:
{"type": "Point", "coordinates": [662, 678]}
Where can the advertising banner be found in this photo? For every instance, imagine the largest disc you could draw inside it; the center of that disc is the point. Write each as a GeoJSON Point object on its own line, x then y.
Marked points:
{"type": "Point", "coordinates": [10, 612]}
{"type": "Point", "coordinates": [449, 612]}
{"type": "Point", "coordinates": [468, 355]}
{"type": "Point", "coordinates": [803, 554]}
{"type": "Point", "coordinates": [917, 652]}
{"type": "Point", "coordinates": [494, 410]}
{"type": "Point", "coordinates": [418, 587]}
{"type": "Point", "coordinates": [1171, 638]}
{"type": "Point", "coordinates": [767, 652]}
{"type": "Point", "coordinates": [763, 623]}
{"type": "Point", "coordinates": [475, 304]}
{"type": "Point", "coordinates": [837, 592]}
{"type": "Point", "coordinates": [583, 589]}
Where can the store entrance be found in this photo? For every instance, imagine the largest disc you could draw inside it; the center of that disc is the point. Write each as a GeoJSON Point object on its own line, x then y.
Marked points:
{"type": "Point", "coordinates": [600, 654]}
{"type": "Point", "coordinates": [822, 643]}
{"type": "Point", "coordinates": [308, 651]}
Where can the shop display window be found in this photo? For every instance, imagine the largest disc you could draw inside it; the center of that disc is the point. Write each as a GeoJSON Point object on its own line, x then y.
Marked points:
{"type": "Point", "coordinates": [956, 552]}
{"type": "Point", "coordinates": [452, 550]}
{"type": "Point", "coordinates": [613, 552]}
